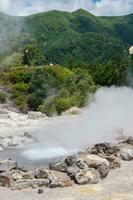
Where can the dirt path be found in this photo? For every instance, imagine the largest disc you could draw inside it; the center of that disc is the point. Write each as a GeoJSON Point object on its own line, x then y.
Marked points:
{"type": "Point", "coordinates": [117, 186]}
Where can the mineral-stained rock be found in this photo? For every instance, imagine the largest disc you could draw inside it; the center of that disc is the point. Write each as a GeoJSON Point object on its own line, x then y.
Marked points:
{"type": "Point", "coordinates": [58, 179]}
{"type": "Point", "coordinates": [35, 183]}
{"type": "Point", "coordinates": [41, 173]}
{"type": "Point", "coordinates": [7, 165]}
{"type": "Point", "coordinates": [87, 176]}
{"type": "Point", "coordinates": [58, 165]}
{"type": "Point", "coordinates": [6, 179]}
{"type": "Point", "coordinates": [94, 161]}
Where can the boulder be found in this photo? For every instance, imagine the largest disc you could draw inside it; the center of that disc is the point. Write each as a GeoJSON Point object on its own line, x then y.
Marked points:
{"type": "Point", "coordinates": [114, 161]}
{"type": "Point", "coordinates": [71, 160]}
{"type": "Point", "coordinates": [94, 161]}
{"type": "Point", "coordinates": [6, 179]}
{"type": "Point", "coordinates": [126, 152]}
{"type": "Point", "coordinates": [58, 165]}
{"type": "Point", "coordinates": [19, 175]}
{"type": "Point", "coordinates": [35, 183]}
{"type": "Point", "coordinates": [72, 171]}
{"type": "Point", "coordinates": [58, 179]}
{"type": "Point", "coordinates": [87, 176]}
{"type": "Point", "coordinates": [7, 165]}
{"type": "Point", "coordinates": [41, 173]}
{"type": "Point", "coordinates": [106, 149]}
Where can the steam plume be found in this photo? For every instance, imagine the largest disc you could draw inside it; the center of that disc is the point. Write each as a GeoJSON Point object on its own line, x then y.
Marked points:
{"type": "Point", "coordinates": [107, 115]}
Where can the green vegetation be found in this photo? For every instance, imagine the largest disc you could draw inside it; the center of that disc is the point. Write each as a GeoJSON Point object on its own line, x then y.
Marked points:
{"type": "Point", "coordinates": [2, 97]}
{"type": "Point", "coordinates": [51, 90]}
{"type": "Point", "coordinates": [87, 52]}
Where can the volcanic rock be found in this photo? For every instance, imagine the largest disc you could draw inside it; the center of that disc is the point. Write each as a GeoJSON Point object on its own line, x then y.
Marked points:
{"type": "Point", "coordinates": [87, 176]}
{"type": "Point", "coordinates": [58, 165]}
{"type": "Point", "coordinates": [35, 183]}
{"type": "Point", "coordinates": [7, 165]}
{"type": "Point", "coordinates": [41, 173]}
{"type": "Point", "coordinates": [106, 149]}
{"type": "Point", "coordinates": [19, 175]}
{"type": "Point", "coordinates": [94, 161]}
{"type": "Point", "coordinates": [6, 179]}
{"type": "Point", "coordinates": [58, 179]}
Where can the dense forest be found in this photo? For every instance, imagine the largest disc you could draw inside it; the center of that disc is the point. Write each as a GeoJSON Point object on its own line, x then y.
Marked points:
{"type": "Point", "coordinates": [85, 52]}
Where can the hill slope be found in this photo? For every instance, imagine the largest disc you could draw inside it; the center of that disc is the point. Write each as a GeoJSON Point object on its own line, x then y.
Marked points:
{"type": "Point", "coordinates": [68, 38]}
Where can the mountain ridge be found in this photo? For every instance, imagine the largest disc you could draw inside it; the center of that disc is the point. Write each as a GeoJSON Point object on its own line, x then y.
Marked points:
{"type": "Point", "coordinates": [64, 36]}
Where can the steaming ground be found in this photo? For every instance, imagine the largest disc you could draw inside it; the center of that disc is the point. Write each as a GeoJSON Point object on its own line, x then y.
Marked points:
{"type": "Point", "coordinates": [108, 114]}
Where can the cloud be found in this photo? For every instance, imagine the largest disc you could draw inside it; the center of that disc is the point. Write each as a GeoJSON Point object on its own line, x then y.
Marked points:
{"type": "Point", "coordinates": [97, 7]}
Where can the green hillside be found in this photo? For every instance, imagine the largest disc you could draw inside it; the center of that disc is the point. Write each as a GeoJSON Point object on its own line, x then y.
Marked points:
{"type": "Point", "coordinates": [68, 38]}
{"type": "Point", "coordinates": [87, 52]}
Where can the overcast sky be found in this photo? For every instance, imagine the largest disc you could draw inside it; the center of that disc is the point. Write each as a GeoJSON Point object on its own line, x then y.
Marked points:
{"type": "Point", "coordinates": [97, 7]}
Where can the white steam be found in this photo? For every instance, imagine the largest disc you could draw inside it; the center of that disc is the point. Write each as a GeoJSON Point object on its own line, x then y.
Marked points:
{"type": "Point", "coordinates": [107, 115]}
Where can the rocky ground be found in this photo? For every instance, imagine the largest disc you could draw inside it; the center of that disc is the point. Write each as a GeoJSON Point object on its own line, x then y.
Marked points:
{"type": "Point", "coordinates": [103, 171]}
{"type": "Point", "coordinates": [117, 186]}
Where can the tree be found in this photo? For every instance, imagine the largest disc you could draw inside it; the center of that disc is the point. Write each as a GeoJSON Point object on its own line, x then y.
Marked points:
{"type": "Point", "coordinates": [33, 56]}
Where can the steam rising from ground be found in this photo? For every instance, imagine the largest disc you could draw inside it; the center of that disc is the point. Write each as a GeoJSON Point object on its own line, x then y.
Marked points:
{"type": "Point", "coordinates": [109, 113]}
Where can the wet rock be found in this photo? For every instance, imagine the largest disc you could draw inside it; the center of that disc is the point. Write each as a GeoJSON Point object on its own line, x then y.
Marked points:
{"type": "Point", "coordinates": [35, 183]}
{"type": "Point", "coordinates": [58, 165]}
{"type": "Point", "coordinates": [41, 173]}
{"type": "Point", "coordinates": [87, 176]}
{"type": "Point", "coordinates": [7, 165]}
{"type": "Point", "coordinates": [58, 179]}
{"type": "Point", "coordinates": [6, 179]}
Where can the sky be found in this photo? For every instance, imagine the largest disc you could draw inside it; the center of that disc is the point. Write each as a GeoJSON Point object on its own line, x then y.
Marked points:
{"type": "Point", "coordinates": [96, 7]}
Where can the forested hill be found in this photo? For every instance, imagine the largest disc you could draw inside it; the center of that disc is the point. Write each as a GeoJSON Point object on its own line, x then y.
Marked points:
{"type": "Point", "coordinates": [68, 38]}
{"type": "Point", "coordinates": [87, 52]}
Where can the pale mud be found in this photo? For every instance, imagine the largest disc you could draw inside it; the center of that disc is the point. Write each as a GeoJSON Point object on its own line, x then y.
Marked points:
{"type": "Point", "coordinates": [117, 186]}
{"type": "Point", "coordinates": [13, 123]}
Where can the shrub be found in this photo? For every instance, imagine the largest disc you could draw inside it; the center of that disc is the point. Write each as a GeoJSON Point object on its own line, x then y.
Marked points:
{"type": "Point", "coordinates": [48, 107]}
{"type": "Point", "coordinates": [14, 60]}
{"type": "Point", "coordinates": [63, 104]}
{"type": "Point", "coordinates": [2, 97]}
{"type": "Point", "coordinates": [21, 103]}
